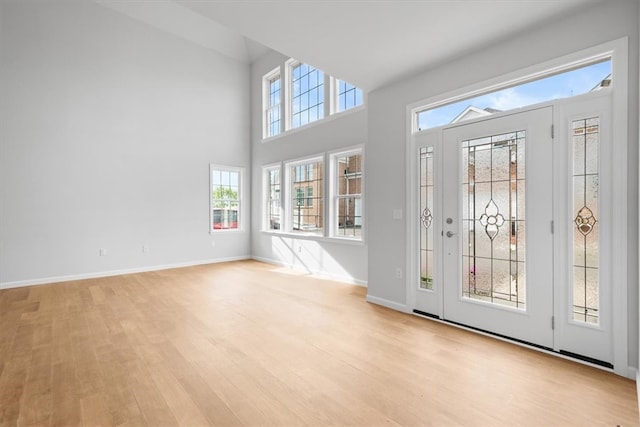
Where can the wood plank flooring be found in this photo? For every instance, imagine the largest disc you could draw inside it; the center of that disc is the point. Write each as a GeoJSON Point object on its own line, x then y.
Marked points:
{"type": "Point", "coordinates": [250, 344]}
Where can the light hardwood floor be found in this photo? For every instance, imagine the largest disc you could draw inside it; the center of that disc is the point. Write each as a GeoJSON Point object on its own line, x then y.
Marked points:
{"type": "Point", "coordinates": [246, 343]}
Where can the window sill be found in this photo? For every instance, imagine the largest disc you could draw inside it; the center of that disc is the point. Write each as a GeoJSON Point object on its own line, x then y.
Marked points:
{"type": "Point", "coordinates": [226, 231]}
{"type": "Point", "coordinates": [318, 238]}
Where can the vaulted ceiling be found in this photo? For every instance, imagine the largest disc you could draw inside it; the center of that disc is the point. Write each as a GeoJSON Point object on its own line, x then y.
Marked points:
{"type": "Point", "coordinates": [369, 43]}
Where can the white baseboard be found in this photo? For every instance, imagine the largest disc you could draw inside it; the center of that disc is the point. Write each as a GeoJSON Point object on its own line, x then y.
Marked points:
{"type": "Point", "coordinates": [57, 279]}
{"type": "Point", "coordinates": [389, 304]}
{"type": "Point", "coordinates": [637, 385]}
{"type": "Point", "coordinates": [321, 274]}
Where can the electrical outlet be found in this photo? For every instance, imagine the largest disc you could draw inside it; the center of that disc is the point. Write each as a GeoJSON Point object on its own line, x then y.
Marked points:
{"type": "Point", "coordinates": [103, 252]}
{"type": "Point", "coordinates": [145, 248]}
{"type": "Point", "coordinates": [398, 273]}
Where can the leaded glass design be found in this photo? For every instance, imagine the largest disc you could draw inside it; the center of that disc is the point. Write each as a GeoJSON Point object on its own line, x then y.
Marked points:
{"type": "Point", "coordinates": [586, 287]}
{"type": "Point", "coordinates": [493, 219]}
{"type": "Point", "coordinates": [426, 218]}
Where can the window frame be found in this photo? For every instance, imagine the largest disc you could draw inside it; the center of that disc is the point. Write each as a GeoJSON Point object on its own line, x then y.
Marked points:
{"type": "Point", "coordinates": [266, 199]}
{"type": "Point", "coordinates": [291, 194]}
{"type": "Point", "coordinates": [335, 96]}
{"type": "Point", "coordinates": [239, 219]}
{"type": "Point", "coordinates": [267, 79]}
{"type": "Point", "coordinates": [335, 196]}
{"type": "Point", "coordinates": [324, 110]}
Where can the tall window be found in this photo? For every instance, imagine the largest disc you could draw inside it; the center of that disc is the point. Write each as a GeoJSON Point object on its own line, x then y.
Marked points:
{"type": "Point", "coordinates": [272, 88]}
{"type": "Point", "coordinates": [347, 194]}
{"type": "Point", "coordinates": [225, 198]}
{"type": "Point", "coordinates": [273, 200]}
{"type": "Point", "coordinates": [307, 95]}
{"type": "Point", "coordinates": [306, 213]}
{"type": "Point", "coordinates": [349, 96]}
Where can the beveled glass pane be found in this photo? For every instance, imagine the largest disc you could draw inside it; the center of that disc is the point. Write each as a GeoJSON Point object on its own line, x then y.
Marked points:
{"type": "Point", "coordinates": [592, 252]}
{"type": "Point", "coordinates": [520, 243]}
{"type": "Point", "coordinates": [501, 163]}
{"type": "Point", "coordinates": [466, 286]}
{"type": "Point", "coordinates": [481, 196]}
{"type": "Point", "coordinates": [466, 239]}
{"type": "Point", "coordinates": [465, 165]}
{"type": "Point", "coordinates": [521, 283]}
{"type": "Point", "coordinates": [501, 280]}
{"type": "Point", "coordinates": [578, 156]}
{"type": "Point", "coordinates": [521, 211]}
{"type": "Point", "coordinates": [592, 295]}
{"type": "Point", "coordinates": [482, 167]}
{"type": "Point", "coordinates": [579, 302]}
{"type": "Point", "coordinates": [483, 280]}
{"type": "Point", "coordinates": [520, 162]}
{"type": "Point", "coordinates": [482, 242]}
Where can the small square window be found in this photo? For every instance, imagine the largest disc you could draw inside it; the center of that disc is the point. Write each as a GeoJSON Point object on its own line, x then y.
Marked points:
{"type": "Point", "coordinates": [348, 97]}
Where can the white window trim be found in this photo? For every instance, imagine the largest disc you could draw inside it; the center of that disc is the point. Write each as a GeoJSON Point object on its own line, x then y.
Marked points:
{"type": "Point", "coordinates": [241, 191]}
{"type": "Point", "coordinates": [265, 196]}
{"type": "Point", "coordinates": [288, 205]}
{"type": "Point", "coordinates": [333, 194]}
{"type": "Point", "coordinates": [335, 98]}
{"type": "Point", "coordinates": [330, 109]}
{"type": "Point", "coordinates": [266, 99]}
{"type": "Point", "coordinates": [617, 50]}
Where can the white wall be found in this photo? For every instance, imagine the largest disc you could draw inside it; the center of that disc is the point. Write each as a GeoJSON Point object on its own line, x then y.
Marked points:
{"type": "Point", "coordinates": [341, 260]}
{"type": "Point", "coordinates": [387, 134]}
{"type": "Point", "coordinates": [108, 129]}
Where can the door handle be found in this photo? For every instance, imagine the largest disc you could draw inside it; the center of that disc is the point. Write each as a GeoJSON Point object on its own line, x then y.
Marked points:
{"type": "Point", "coordinates": [450, 234]}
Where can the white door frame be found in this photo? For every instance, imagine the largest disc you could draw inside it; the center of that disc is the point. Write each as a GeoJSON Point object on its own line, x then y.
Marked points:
{"type": "Point", "coordinates": [618, 51]}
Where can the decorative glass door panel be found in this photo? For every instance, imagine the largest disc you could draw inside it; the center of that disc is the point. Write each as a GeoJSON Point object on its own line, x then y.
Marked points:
{"type": "Point", "coordinates": [585, 139]}
{"type": "Point", "coordinates": [493, 224]}
{"type": "Point", "coordinates": [426, 218]}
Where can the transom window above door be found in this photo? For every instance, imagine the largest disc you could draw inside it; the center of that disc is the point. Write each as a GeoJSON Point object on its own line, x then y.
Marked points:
{"type": "Point", "coordinates": [548, 87]}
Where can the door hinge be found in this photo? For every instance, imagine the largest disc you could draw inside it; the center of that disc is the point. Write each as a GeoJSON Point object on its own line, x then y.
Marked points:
{"type": "Point", "coordinates": [552, 229]}
{"type": "Point", "coordinates": [552, 132]}
{"type": "Point", "coordinates": [553, 322]}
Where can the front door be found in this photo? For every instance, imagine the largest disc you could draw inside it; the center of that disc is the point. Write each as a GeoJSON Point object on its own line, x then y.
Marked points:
{"type": "Point", "coordinates": [496, 216]}
{"type": "Point", "coordinates": [515, 230]}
